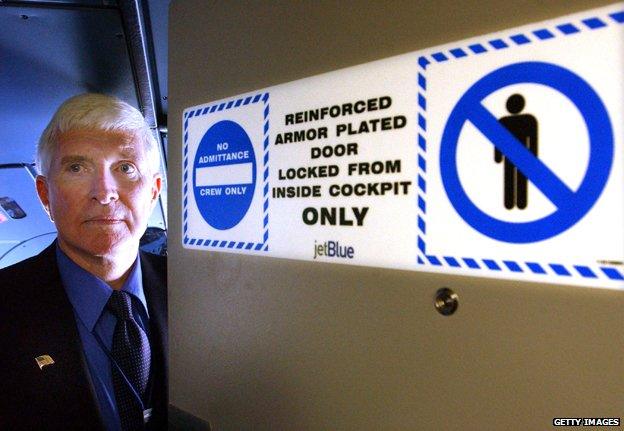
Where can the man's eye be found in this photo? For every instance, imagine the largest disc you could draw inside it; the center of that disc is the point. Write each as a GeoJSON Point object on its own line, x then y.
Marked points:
{"type": "Point", "coordinates": [127, 168]}
{"type": "Point", "coordinates": [75, 167]}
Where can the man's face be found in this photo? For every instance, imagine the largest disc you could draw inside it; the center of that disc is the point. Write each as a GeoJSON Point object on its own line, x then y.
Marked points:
{"type": "Point", "coordinates": [100, 191]}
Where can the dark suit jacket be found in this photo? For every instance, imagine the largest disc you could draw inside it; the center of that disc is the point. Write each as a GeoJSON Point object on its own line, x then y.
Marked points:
{"type": "Point", "coordinates": [36, 318]}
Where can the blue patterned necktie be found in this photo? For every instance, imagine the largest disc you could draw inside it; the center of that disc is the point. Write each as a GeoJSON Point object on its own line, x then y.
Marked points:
{"type": "Point", "coordinates": [131, 351]}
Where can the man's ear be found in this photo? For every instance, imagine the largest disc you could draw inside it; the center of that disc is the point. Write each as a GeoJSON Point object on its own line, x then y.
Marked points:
{"type": "Point", "coordinates": [41, 183]}
{"type": "Point", "coordinates": [156, 186]}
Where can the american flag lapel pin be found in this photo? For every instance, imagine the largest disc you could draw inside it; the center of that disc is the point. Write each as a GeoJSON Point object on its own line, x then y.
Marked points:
{"type": "Point", "coordinates": [44, 360]}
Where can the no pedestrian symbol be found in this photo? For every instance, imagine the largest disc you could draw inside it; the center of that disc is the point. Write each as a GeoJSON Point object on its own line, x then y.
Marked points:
{"type": "Point", "coordinates": [571, 205]}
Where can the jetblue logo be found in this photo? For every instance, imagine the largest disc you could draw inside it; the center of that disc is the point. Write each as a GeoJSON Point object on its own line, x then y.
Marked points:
{"type": "Point", "coordinates": [333, 249]}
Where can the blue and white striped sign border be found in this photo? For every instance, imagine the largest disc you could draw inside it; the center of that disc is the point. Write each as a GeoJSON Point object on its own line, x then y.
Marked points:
{"type": "Point", "coordinates": [209, 109]}
{"type": "Point", "coordinates": [591, 23]}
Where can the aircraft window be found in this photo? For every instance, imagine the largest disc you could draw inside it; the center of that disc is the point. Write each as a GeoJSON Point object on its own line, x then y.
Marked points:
{"type": "Point", "coordinates": [11, 207]}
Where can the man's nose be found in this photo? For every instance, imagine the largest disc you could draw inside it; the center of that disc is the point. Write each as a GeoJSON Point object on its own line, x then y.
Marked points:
{"type": "Point", "coordinates": [104, 188]}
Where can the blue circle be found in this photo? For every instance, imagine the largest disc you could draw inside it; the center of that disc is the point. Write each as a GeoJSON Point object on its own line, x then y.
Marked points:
{"type": "Point", "coordinates": [600, 134]}
{"type": "Point", "coordinates": [223, 204]}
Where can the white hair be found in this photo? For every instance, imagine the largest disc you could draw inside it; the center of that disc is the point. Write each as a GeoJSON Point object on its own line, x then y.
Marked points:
{"type": "Point", "coordinates": [99, 112]}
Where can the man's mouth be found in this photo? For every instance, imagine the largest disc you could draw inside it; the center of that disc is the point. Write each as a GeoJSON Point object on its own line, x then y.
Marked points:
{"type": "Point", "coordinates": [105, 220]}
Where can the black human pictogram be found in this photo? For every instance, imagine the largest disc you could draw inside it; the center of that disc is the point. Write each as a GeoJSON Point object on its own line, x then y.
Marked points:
{"type": "Point", "coordinates": [524, 128]}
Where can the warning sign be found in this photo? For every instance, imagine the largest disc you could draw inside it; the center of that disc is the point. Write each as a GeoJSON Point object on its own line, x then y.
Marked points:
{"type": "Point", "coordinates": [515, 139]}
{"type": "Point", "coordinates": [530, 156]}
{"type": "Point", "coordinates": [513, 168]}
{"type": "Point", "coordinates": [221, 175]}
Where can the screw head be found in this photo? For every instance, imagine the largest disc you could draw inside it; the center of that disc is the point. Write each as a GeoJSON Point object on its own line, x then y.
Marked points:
{"type": "Point", "coordinates": [446, 301]}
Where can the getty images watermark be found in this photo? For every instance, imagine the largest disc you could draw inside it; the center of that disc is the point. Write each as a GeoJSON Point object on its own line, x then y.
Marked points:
{"type": "Point", "coordinates": [586, 422]}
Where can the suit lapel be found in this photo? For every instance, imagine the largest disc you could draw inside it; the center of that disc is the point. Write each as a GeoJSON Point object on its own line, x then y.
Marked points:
{"type": "Point", "coordinates": [153, 269]}
{"type": "Point", "coordinates": [52, 330]}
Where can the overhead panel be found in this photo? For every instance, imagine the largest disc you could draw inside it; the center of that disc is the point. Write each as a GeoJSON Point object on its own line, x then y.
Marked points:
{"type": "Point", "coordinates": [49, 54]}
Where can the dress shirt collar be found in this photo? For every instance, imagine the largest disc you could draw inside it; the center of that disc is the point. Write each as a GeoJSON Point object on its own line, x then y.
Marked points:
{"type": "Point", "coordinates": [88, 294]}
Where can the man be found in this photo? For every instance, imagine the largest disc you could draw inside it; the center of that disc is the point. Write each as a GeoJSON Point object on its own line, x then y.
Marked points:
{"type": "Point", "coordinates": [83, 325]}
